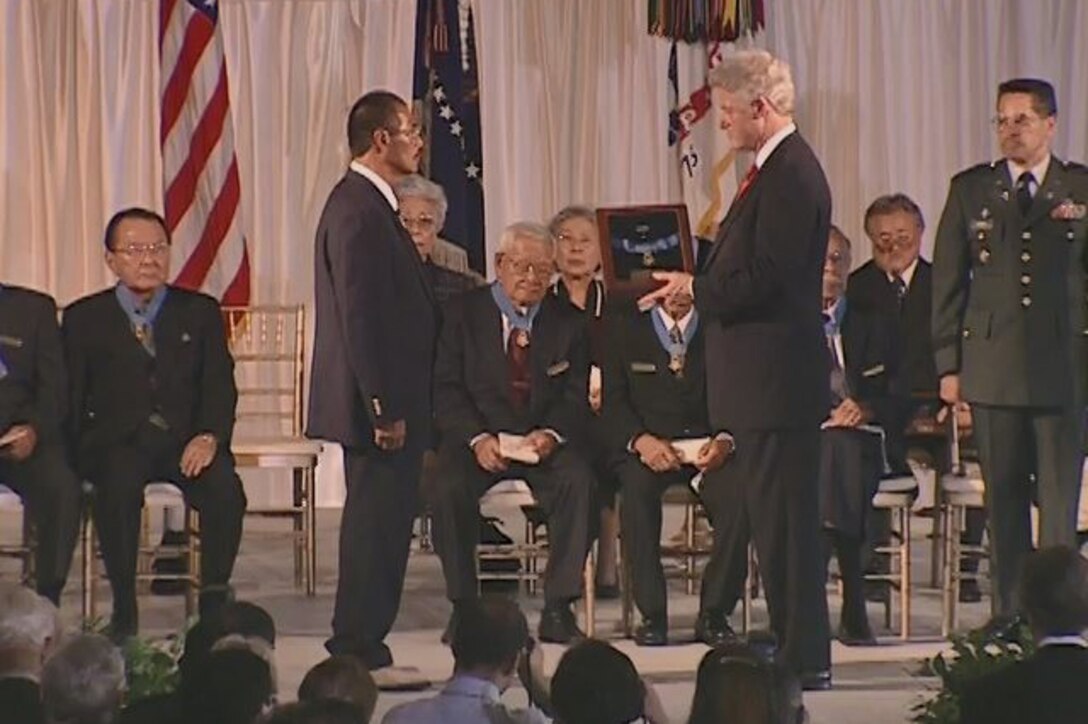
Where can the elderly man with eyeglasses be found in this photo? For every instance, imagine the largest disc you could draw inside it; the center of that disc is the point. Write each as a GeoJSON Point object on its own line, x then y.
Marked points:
{"type": "Point", "coordinates": [1009, 327]}
{"type": "Point", "coordinates": [513, 360]}
{"type": "Point", "coordinates": [153, 398]}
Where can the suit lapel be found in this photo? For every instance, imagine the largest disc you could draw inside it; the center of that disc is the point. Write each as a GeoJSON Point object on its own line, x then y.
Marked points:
{"type": "Point", "coordinates": [489, 332]}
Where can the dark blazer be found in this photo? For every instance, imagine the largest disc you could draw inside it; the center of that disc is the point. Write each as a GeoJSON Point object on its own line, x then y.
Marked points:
{"type": "Point", "coordinates": [869, 290]}
{"type": "Point", "coordinates": [869, 360]}
{"type": "Point", "coordinates": [472, 382]}
{"type": "Point", "coordinates": [116, 385]}
{"type": "Point", "coordinates": [641, 394]}
{"type": "Point", "coordinates": [1047, 688]}
{"type": "Point", "coordinates": [374, 339]}
{"type": "Point", "coordinates": [1008, 289]}
{"type": "Point", "coordinates": [34, 389]}
{"type": "Point", "coordinates": [21, 701]}
{"type": "Point", "coordinates": [759, 299]}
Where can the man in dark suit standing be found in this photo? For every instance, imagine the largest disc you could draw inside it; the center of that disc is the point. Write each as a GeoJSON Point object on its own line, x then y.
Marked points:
{"type": "Point", "coordinates": [370, 382]}
{"type": "Point", "coordinates": [514, 359]}
{"type": "Point", "coordinates": [1009, 326]}
{"type": "Point", "coordinates": [767, 364]}
{"type": "Point", "coordinates": [153, 398]}
{"type": "Point", "coordinates": [1048, 686]}
{"type": "Point", "coordinates": [33, 456]}
{"type": "Point", "coordinates": [655, 393]}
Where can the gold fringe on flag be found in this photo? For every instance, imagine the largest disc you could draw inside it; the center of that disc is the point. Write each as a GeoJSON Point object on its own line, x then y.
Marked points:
{"type": "Point", "coordinates": [705, 21]}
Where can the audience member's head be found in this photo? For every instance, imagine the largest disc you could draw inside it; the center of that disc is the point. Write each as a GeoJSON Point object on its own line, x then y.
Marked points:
{"type": "Point", "coordinates": [341, 678]}
{"type": "Point", "coordinates": [323, 711]}
{"type": "Point", "coordinates": [247, 619]}
{"type": "Point", "coordinates": [83, 682]}
{"type": "Point", "coordinates": [29, 631]}
{"type": "Point", "coordinates": [836, 265]}
{"type": "Point", "coordinates": [423, 206]}
{"type": "Point", "coordinates": [235, 686]}
{"type": "Point", "coordinates": [525, 262]}
{"type": "Point", "coordinates": [894, 225]}
{"type": "Point", "coordinates": [736, 684]}
{"type": "Point", "coordinates": [596, 683]}
{"type": "Point", "coordinates": [1054, 591]}
{"type": "Point", "coordinates": [489, 638]}
{"type": "Point", "coordinates": [578, 253]}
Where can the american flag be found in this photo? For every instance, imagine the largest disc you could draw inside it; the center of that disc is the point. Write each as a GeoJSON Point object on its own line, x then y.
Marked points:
{"type": "Point", "coordinates": [200, 169]}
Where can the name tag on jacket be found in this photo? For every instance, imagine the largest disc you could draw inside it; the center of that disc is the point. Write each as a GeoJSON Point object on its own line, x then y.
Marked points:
{"type": "Point", "coordinates": [558, 368]}
{"type": "Point", "coordinates": [643, 367]}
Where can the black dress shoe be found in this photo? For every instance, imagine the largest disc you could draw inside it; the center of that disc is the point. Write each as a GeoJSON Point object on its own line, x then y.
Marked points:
{"type": "Point", "coordinates": [606, 591]}
{"type": "Point", "coordinates": [816, 681]}
{"type": "Point", "coordinates": [557, 626]}
{"type": "Point", "coordinates": [653, 631]}
{"type": "Point", "coordinates": [970, 592]}
{"type": "Point", "coordinates": [855, 635]}
{"type": "Point", "coordinates": [1007, 627]}
{"type": "Point", "coordinates": [713, 629]}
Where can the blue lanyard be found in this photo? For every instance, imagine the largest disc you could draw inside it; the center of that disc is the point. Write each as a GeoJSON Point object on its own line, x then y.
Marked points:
{"type": "Point", "coordinates": [517, 319]}
{"type": "Point", "coordinates": [673, 347]}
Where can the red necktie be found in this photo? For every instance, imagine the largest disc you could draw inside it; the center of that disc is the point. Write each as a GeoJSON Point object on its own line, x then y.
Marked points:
{"type": "Point", "coordinates": [517, 363]}
{"type": "Point", "coordinates": [746, 182]}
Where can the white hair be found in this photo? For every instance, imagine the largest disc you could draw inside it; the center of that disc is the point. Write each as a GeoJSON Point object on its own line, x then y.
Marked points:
{"type": "Point", "coordinates": [415, 186]}
{"type": "Point", "coordinates": [253, 644]}
{"type": "Point", "coordinates": [26, 619]}
{"type": "Point", "coordinates": [526, 230]}
{"type": "Point", "coordinates": [754, 74]}
{"type": "Point", "coordinates": [574, 211]}
{"type": "Point", "coordinates": [84, 680]}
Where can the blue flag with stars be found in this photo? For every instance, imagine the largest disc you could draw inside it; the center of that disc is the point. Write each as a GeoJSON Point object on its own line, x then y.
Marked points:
{"type": "Point", "coordinates": [447, 88]}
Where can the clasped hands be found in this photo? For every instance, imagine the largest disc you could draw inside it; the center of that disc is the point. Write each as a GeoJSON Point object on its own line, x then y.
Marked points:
{"type": "Point", "coordinates": [661, 457]}
{"type": "Point", "coordinates": [488, 456]}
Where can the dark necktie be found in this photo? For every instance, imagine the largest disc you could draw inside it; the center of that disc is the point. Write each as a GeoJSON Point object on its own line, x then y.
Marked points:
{"type": "Point", "coordinates": [838, 377]}
{"type": "Point", "coordinates": [746, 182]}
{"type": "Point", "coordinates": [900, 286]}
{"type": "Point", "coordinates": [1023, 192]}
{"type": "Point", "coordinates": [144, 334]}
{"type": "Point", "coordinates": [517, 364]}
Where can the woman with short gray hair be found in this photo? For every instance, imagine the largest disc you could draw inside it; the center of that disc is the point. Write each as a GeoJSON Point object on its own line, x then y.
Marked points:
{"type": "Point", "coordinates": [84, 682]}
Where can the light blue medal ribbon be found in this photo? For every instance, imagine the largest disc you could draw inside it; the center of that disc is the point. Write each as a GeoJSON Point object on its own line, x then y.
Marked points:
{"type": "Point", "coordinates": [523, 323]}
{"type": "Point", "coordinates": [677, 349]}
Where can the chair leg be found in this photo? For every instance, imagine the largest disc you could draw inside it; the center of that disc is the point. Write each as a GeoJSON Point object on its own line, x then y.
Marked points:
{"type": "Point", "coordinates": [589, 576]}
{"type": "Point", "coordinates": [689, 543]}
{"type": "Point", "coordinates": [87, 553]}
{"type": "Point", "coordinates": [192, 580]}
{"type": "Point", "coordinates": [530, 561]}
{"type": "Point", "coordinates": [904, 574]}
{"type": "Point", "coordinates": [749, 584]}
{"type": "Point", "coordinates": [298, 527]}
{"type": "Point", "coordinates": [949, 585]}
{"type": "Point", "coordinates": [309, 485]}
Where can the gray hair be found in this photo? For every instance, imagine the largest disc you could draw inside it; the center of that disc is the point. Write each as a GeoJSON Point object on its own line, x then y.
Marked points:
{"type": "Point", "coordinates": [892, 203]}
{"type": "Point", "coordinates": [525, 230]}
{"type": "Point", "coordinates": [574, 211]}
{"type": "Point", "coordinates": [415, 186]}
{"type": "Point", "coordinates": [754, 74]}
{"type": "Point", "coordinates": [26, 619]}
{"type": "Point", "coordinates": [83, 682]}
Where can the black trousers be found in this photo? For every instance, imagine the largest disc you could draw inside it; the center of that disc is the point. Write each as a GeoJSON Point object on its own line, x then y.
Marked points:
{"type": "Point", "coordinates": [51, 492]}
{"type": "Point", "coordinates": [119, 475]}
{"type": "Point", "coordinates": [768, 491]}
{"type": "Point", "coordinates": [375, 534]}
{"type": "Point", "coordinates": [564, 488]}
{"type": "Point", "coordinates": [1014, 443]}
{"type": "Point", "coordinates": [640, 519]}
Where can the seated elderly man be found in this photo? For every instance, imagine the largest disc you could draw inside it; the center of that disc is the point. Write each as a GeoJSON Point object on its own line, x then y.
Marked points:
{"type": "Point", "coordinates": [423, 212]}
{"type": "Point", "coordinates": [33, 457]}
{"type": "Point", "coordinates": [851, 449]}
{"type": "Point", "coordinates": [29, 632]}
{"type": "Point", "coordinates": [654, 394]}
{"type": "Point", "coordinates": [84, 682]}
{"type": "Point", "coordinates": [153, 398]}
{"type": "Point", "coordinates": [512, 359]}
{"type": "Point", "coordinates": [1047, 687]}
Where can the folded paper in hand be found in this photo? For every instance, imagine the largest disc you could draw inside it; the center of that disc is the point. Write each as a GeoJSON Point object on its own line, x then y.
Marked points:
{"type": "Point", "coordinates": [12, 435]}
{"type": "Point", "coordinates": [688, 449]}
{"type": "Point", "coordinates": [517, 448]}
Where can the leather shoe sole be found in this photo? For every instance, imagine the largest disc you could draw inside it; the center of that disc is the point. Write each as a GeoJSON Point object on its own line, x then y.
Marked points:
{"type": "Point", "coordinates": [400, 678]}
{"type": "Point", "coordinates": [651, 634]}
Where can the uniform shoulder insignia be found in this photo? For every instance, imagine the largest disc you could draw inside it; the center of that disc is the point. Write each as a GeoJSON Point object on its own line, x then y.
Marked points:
{"type": "Point", "coordinates": [977, 170]}
{"type": "Point", "coordinates": [1078, 168]}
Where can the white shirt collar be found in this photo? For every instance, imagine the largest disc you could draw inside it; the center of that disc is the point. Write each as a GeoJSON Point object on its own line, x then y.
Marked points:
{"type": "Point", "coordinates": [382, 184]}
{"type": "Point", "coordinates": [1073, 640]}
{"type": "Point", "coordinates": [772, 143]}
{"type": "Point", "coordinates": [907, 274]}
{"type": "Point", "coordinates": [683, 322]}
{"type": "Point", "coordinates": [1038, 170]}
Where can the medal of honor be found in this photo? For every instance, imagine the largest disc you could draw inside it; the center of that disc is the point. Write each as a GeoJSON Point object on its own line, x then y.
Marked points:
{"type": "Point", "coordinates": [676, 364]}
{"type": "Point", "coordinates": [521, 339]}
{"type": "Point", "coordinates": [648, 258]}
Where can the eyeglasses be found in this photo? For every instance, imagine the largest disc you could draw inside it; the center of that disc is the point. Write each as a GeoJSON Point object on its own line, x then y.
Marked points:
{"type": "Point", "coordinates": [538, 269]}
{"type": "Point", "coordinates": [898, 243]}
{"type": "Point", "coordinates": [423, 223]}
{"type": "Point", "coordinates": [138, 251]}
{"type": "Point", "coordinates": [570, 240]}
{"type": "Point", "coordinates": [1021, 120]}
{"type": "Point", "coordinates": [835, 257]}
{"type": "Point", "coordinates": [412, 132]}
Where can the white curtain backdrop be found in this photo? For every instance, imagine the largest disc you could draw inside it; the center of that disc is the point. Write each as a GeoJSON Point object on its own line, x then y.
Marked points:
{"type": "Point", "coordinates": [894, 96]}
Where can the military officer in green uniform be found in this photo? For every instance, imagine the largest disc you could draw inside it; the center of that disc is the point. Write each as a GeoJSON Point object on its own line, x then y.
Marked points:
{"type": "Point", "coordinates": [1009, 326]}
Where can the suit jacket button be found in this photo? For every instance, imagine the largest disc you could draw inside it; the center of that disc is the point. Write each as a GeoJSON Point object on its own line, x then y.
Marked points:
{"type": "Point", "coordinates": [1026, 236]}
{"type": "Point", "coordinates": [966, 333]}
{"type": "Point", "coordinates": [1025, 257]}
{"type": "Point", "coordinates": [984, 256]}
{"type": "Point", "coordinates": [1025, 279]}
{"type": "Point", "coordinates": [1025, 301]}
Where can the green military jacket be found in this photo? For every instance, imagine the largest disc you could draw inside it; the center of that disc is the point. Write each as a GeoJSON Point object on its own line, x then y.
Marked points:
{"type": "Point", "coordinates": [1009, 289]}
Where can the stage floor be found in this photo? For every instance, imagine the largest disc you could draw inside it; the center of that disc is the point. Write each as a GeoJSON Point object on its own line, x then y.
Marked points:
{"type": "Point", "coordinates": [872, 685]}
